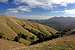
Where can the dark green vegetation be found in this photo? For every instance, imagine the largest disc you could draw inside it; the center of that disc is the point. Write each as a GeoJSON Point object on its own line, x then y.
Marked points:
{"type": "Point", "coordinates": [19, 34]}
{"type": "Point", "coordinates": [65, 43]}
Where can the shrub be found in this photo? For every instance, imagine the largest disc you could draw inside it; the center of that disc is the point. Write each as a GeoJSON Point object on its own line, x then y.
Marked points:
{"type": "Point", "coordinates": [1, 35]}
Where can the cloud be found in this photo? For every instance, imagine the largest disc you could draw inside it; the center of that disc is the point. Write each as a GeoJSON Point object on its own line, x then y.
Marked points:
{"type": "Point", "coordinates": [47, 4]}
{"type": "Point", "coordinates": [62, 1]}
{"type": "Point", "coordinates": [24, 9]}
{"type": "Point", "coordinates": [20, 9]}
{"type": "Point", "coordinates": [13, 10]}
{"type": "Point", "coordinates": [71, 11]}
{"type": "Point", "coordinates": [3, 1]}
{"type": "Point", "coordinates": [36, 3]}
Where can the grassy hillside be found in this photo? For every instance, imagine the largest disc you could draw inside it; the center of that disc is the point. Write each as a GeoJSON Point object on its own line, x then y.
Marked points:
{"type": "Point", "coordinates": [9, 45]}
{"type": "Point", "coordinates": [65, 43]}
{"type": "Point", "coordinates": [19, 34]}
{"type": "Point", "coordinates": [5, 30]}
{"type": "Point", "coordinates": [23, 31]}
{"type": "Point", "coordinates": [37, 29]}
{"type": "Point", "coordinates": [20, 30]}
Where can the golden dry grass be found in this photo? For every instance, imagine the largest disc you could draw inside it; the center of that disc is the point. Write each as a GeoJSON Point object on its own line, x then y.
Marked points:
{"type": "Point", "coordinates": [10, 45]}
{"type": "Point", "coordinates": [15, 31]}
{"type": "Point", "coordinates": [65, 43]}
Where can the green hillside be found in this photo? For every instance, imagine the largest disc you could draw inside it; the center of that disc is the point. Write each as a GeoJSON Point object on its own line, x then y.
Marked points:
{"type": "Point", "coordinates": [23, 31]}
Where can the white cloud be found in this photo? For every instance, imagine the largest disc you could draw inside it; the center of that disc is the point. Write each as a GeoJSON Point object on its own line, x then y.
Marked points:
{"type": "Point", "coordinates": [71, 11]}
{"type": "Point", "coordinates": [20, 9]}
{"type": "Point", "coordinates": [45, 3]}
{"type": "Point", "coordinates": [36, 3]}
{"type": "Point", "coordinates": [13, 10]}
{"type": "Point", "coordinates": [62, 1]}
{"type": "Point", "coordinates": [24, 9]}
{"type": "Point", "coordinates": [3, 0]}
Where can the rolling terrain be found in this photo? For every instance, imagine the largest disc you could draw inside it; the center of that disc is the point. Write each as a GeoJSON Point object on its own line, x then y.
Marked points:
{"type": "Point", "coordinates": [65, 43]}
{"type": "Point", "coordinates": [15, 30]}
{"type": "Point", "coordinates": [19, 34]}
{"type": "Point", "coordinates": [9, 45]}
{"type": "Point", "coordinates": [59, 23]}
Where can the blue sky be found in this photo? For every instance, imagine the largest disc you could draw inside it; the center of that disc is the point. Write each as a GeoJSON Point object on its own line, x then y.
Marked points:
{"type": "Point", "coordinates": [37, 7]}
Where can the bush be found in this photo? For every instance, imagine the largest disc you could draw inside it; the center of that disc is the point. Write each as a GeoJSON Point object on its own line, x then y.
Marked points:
{"type": "Point", "coordinates": [17, 38]}
{"type": "Point", "coordinates": [1, 35]}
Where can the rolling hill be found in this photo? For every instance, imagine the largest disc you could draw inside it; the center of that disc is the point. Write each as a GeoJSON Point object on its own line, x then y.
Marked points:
{"type": "Point", "coordinates": [65, 43]}
{"type": "Point", "coordinates": [15, 30]}
{"type": "Point", "coordinates": [9, 45]}
{"type": "Point", "coordinates": [20, 34]}
{"type": "Point", "coordinates": [59, 23]}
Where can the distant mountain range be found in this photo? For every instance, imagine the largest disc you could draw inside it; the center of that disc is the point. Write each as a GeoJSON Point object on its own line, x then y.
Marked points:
{"type": "Point", "coordinates": [59, 23]}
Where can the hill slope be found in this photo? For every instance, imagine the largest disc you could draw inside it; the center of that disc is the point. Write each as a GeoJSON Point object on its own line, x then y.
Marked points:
{"type": "Point", "coordinates": [59, 23]}
{"type": "Point", "coordinates": [23, 31]}
{"type": "Point", "coordinates": [65, 43]}
{"type": "Point", "coordinates": [9, 45]}
{"type": "Point", "coordinates": [19, 34]}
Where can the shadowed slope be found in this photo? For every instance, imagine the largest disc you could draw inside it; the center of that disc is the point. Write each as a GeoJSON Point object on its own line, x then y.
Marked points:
{"type": "Point", "coordinates": [41, 31]}
{"type": "Point", "coordinates": [65, 43]}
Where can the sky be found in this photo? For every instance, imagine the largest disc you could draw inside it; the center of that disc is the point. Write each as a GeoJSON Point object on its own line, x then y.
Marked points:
{"type": "Point", "coordinates": [35, 8]}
